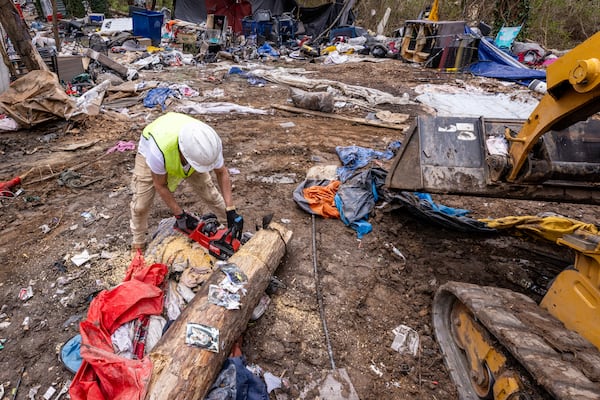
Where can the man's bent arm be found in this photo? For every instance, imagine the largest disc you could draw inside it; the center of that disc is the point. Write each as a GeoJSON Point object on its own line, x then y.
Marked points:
{"type": "Point", "coordinates": [160, 184]}
{"type": "Point", "coordinates": [224, 183]}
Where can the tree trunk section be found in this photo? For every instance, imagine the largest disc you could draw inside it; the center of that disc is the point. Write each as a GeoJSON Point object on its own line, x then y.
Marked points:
{"type": "Point", "coordinates": [19, 36]}
{"type": "Point", "coordinates": [181, 371]}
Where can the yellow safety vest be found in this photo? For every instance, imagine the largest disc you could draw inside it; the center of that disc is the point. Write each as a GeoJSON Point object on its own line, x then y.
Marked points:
{"type": "Point", "coordinates": [165, 132]}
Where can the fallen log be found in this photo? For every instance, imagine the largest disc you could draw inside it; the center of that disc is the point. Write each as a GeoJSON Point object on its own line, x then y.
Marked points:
{"type": "Point", "coordinates": [181, 371]}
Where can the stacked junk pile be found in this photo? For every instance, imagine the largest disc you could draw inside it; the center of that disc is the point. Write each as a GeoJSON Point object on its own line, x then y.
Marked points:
{"type": "Point", "coordinates": [204, 31]}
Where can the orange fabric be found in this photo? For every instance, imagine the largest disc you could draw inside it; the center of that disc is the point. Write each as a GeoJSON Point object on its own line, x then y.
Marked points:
{"type": "Point", "coordinates": [321, 199]}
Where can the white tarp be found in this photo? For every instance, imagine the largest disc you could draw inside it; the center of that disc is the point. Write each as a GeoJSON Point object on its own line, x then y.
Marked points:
{"type": "Point", "coordinates": [471, 101]}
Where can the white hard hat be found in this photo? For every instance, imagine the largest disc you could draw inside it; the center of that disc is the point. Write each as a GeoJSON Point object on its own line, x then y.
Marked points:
{"type": "Point", "coordinates": [201, 146]}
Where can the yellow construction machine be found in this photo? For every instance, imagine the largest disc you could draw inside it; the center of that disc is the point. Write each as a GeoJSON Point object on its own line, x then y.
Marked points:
{"type": "Point", "coordinates": [498, 343]}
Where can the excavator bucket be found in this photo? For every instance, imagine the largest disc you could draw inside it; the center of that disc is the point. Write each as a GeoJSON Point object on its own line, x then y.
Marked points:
{"type": "Point", "coordinates": [468, 156]}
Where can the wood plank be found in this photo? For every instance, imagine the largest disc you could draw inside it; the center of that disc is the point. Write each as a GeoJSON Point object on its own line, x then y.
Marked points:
{"type": "Point", "coordinates": [340, 117]}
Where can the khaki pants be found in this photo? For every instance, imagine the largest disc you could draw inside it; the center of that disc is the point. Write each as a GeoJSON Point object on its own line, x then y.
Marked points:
{"type": "Point", "coordinates": [143, 197]}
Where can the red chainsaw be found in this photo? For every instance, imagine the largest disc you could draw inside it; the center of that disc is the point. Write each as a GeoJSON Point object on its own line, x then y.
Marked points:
{"type": "Point", "coordinates": [221, 243]}
{"type": "Point", "coordinates": [6, 187]}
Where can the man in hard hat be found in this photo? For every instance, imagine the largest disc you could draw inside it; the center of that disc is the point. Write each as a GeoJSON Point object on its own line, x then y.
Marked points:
{"type": "Point", "coordinates": [172, 148]}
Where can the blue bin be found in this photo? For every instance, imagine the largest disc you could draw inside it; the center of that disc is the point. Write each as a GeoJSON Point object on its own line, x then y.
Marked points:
{"type": "Point", "coordinates": [148, 24]}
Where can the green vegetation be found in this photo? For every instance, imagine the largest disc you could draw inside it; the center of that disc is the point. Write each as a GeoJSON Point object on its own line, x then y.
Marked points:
{"type": "Point", "coordinates": [559, 24]}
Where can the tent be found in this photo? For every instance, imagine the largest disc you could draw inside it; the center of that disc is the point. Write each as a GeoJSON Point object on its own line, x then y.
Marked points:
{"type": "Point", "coordinates": [314, 19]}
{"type": "Point", "coordinates": [494, 62]}
{"type": "Point", "coordinates": [196, 10]}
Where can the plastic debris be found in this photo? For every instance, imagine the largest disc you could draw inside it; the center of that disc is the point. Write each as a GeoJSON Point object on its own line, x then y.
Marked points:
{"type": "Point", "coordinates": [25, 323]}
{"type": "Point", "coordinates": [89, 218]}
{"type": "Point", "coordinates": [33, 391]}
{"type": "Point", "coordinates": [376, 370]}
{"type": "Point", "coordinates": [236, 278]}
{"type": "Point", "coordinates": [81, 258]}
{"type": "Point", "coordinates": [49, 393]}
{"type": "Point", "coordinates": [203, 336]}
{"type": "Point", "coordinates": [223, 298]}
{"type": "Point", "coordinates": [260, 309]}
{"type": "Point", "coordinates": [121, 146]}
{"type": "Point", "coordinates": [406, 340]}
{"type": "Point", "coordinates": [70, 354]}
{"type": "Point", "coordinates": [26, 293]}
{"type": "Point", "coordinates": [273, 382]}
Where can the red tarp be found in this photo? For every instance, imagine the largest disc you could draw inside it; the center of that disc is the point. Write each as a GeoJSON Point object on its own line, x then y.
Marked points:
{"type": "Point", "coordinates": [103, 374]}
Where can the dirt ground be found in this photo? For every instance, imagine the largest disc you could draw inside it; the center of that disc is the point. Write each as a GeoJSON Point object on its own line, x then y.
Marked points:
{"type": "Point", "coordinates": [367, 290]}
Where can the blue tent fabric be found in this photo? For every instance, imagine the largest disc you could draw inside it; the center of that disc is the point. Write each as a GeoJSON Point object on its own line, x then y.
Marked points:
{"type": "Point", "coordinates": [356, 198]}
{"type": "Point", "coordinates": [70, 354]}
{"type": "Point", "coordinates": [158, 96]}
{"type": "Point", "coordinates": [496, 63]}
{"type": "Point", "coordinates": [455, 212]}
{"type": "Point", "coordinates": [355, 157]}
{"type": "Point", "coordinates": [236, 382]}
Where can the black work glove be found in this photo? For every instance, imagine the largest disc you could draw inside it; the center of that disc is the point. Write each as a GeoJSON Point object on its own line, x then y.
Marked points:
{"type": "Point", "coordinates": [186, 222]}
{"type": "Point", "coordinates": [234, 220]}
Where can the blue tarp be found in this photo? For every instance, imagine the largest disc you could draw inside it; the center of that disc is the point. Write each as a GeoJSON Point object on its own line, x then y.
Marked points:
{"type": "Point", "coordinates": [496, 63]}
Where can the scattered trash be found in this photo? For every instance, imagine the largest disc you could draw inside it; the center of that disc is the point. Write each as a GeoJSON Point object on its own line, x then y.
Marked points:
{"type": "Point", "coordinates": [406, 340]}
{"type": "Point", "coordinates": [273, 382]}
{"type": "Point", "coordinates": [33, 391]}
{"type": "Point", "coordinates": [222, 297]}
{"type": "Point", "coordinates": [26, 293]}
{"type": "Point", "coordinates": [285, 220]}
{"type": "Point", "coordinates": [260, 309]}
{"type": "Point", "coordinates": [405, 368]}
{"type": "Point", "coordinates": [8, 124]}
{"type": "Point", "coordinates": [279, 178]}
{"type": "Point", "coordinates": [203, 336]}
{"type": "Point", "coordinates": [287, 125]}
{"type": "Point", "coordinates": [64, 390]}
{"type": "Point", "coordinates": [81, 258]}
{"type": "Point", "coordinates": [15, 390]}
{"type": "Point", "coordinates": [49, 393]}
{"type": "Point", "coordinates": [107, 255]}
{"type": "Point", "coordinates": [25, 323]}
{"type": "Point", "coordinates": [2, 341]}
{"type": "Point", "coordinates": [89, 218]}
{"type": "Point", "coordinates": [397, 253]}
{"type": "Point", "coordinates": [235, 279]}
{"type": "Point", "coordinates": [192, 107]}
{"type": "Point", "coordinates": [70, 355]}
{"type": "Point", "coordinates": [121, 147]}
{"type": "Point", "coordinates": [376, 370]}
{"type": "Point", "coordinates": [4, 324]}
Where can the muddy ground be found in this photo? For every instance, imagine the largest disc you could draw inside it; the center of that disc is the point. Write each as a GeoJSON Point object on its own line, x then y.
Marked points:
{"type": "Point", "coordinates": [367, 290]}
